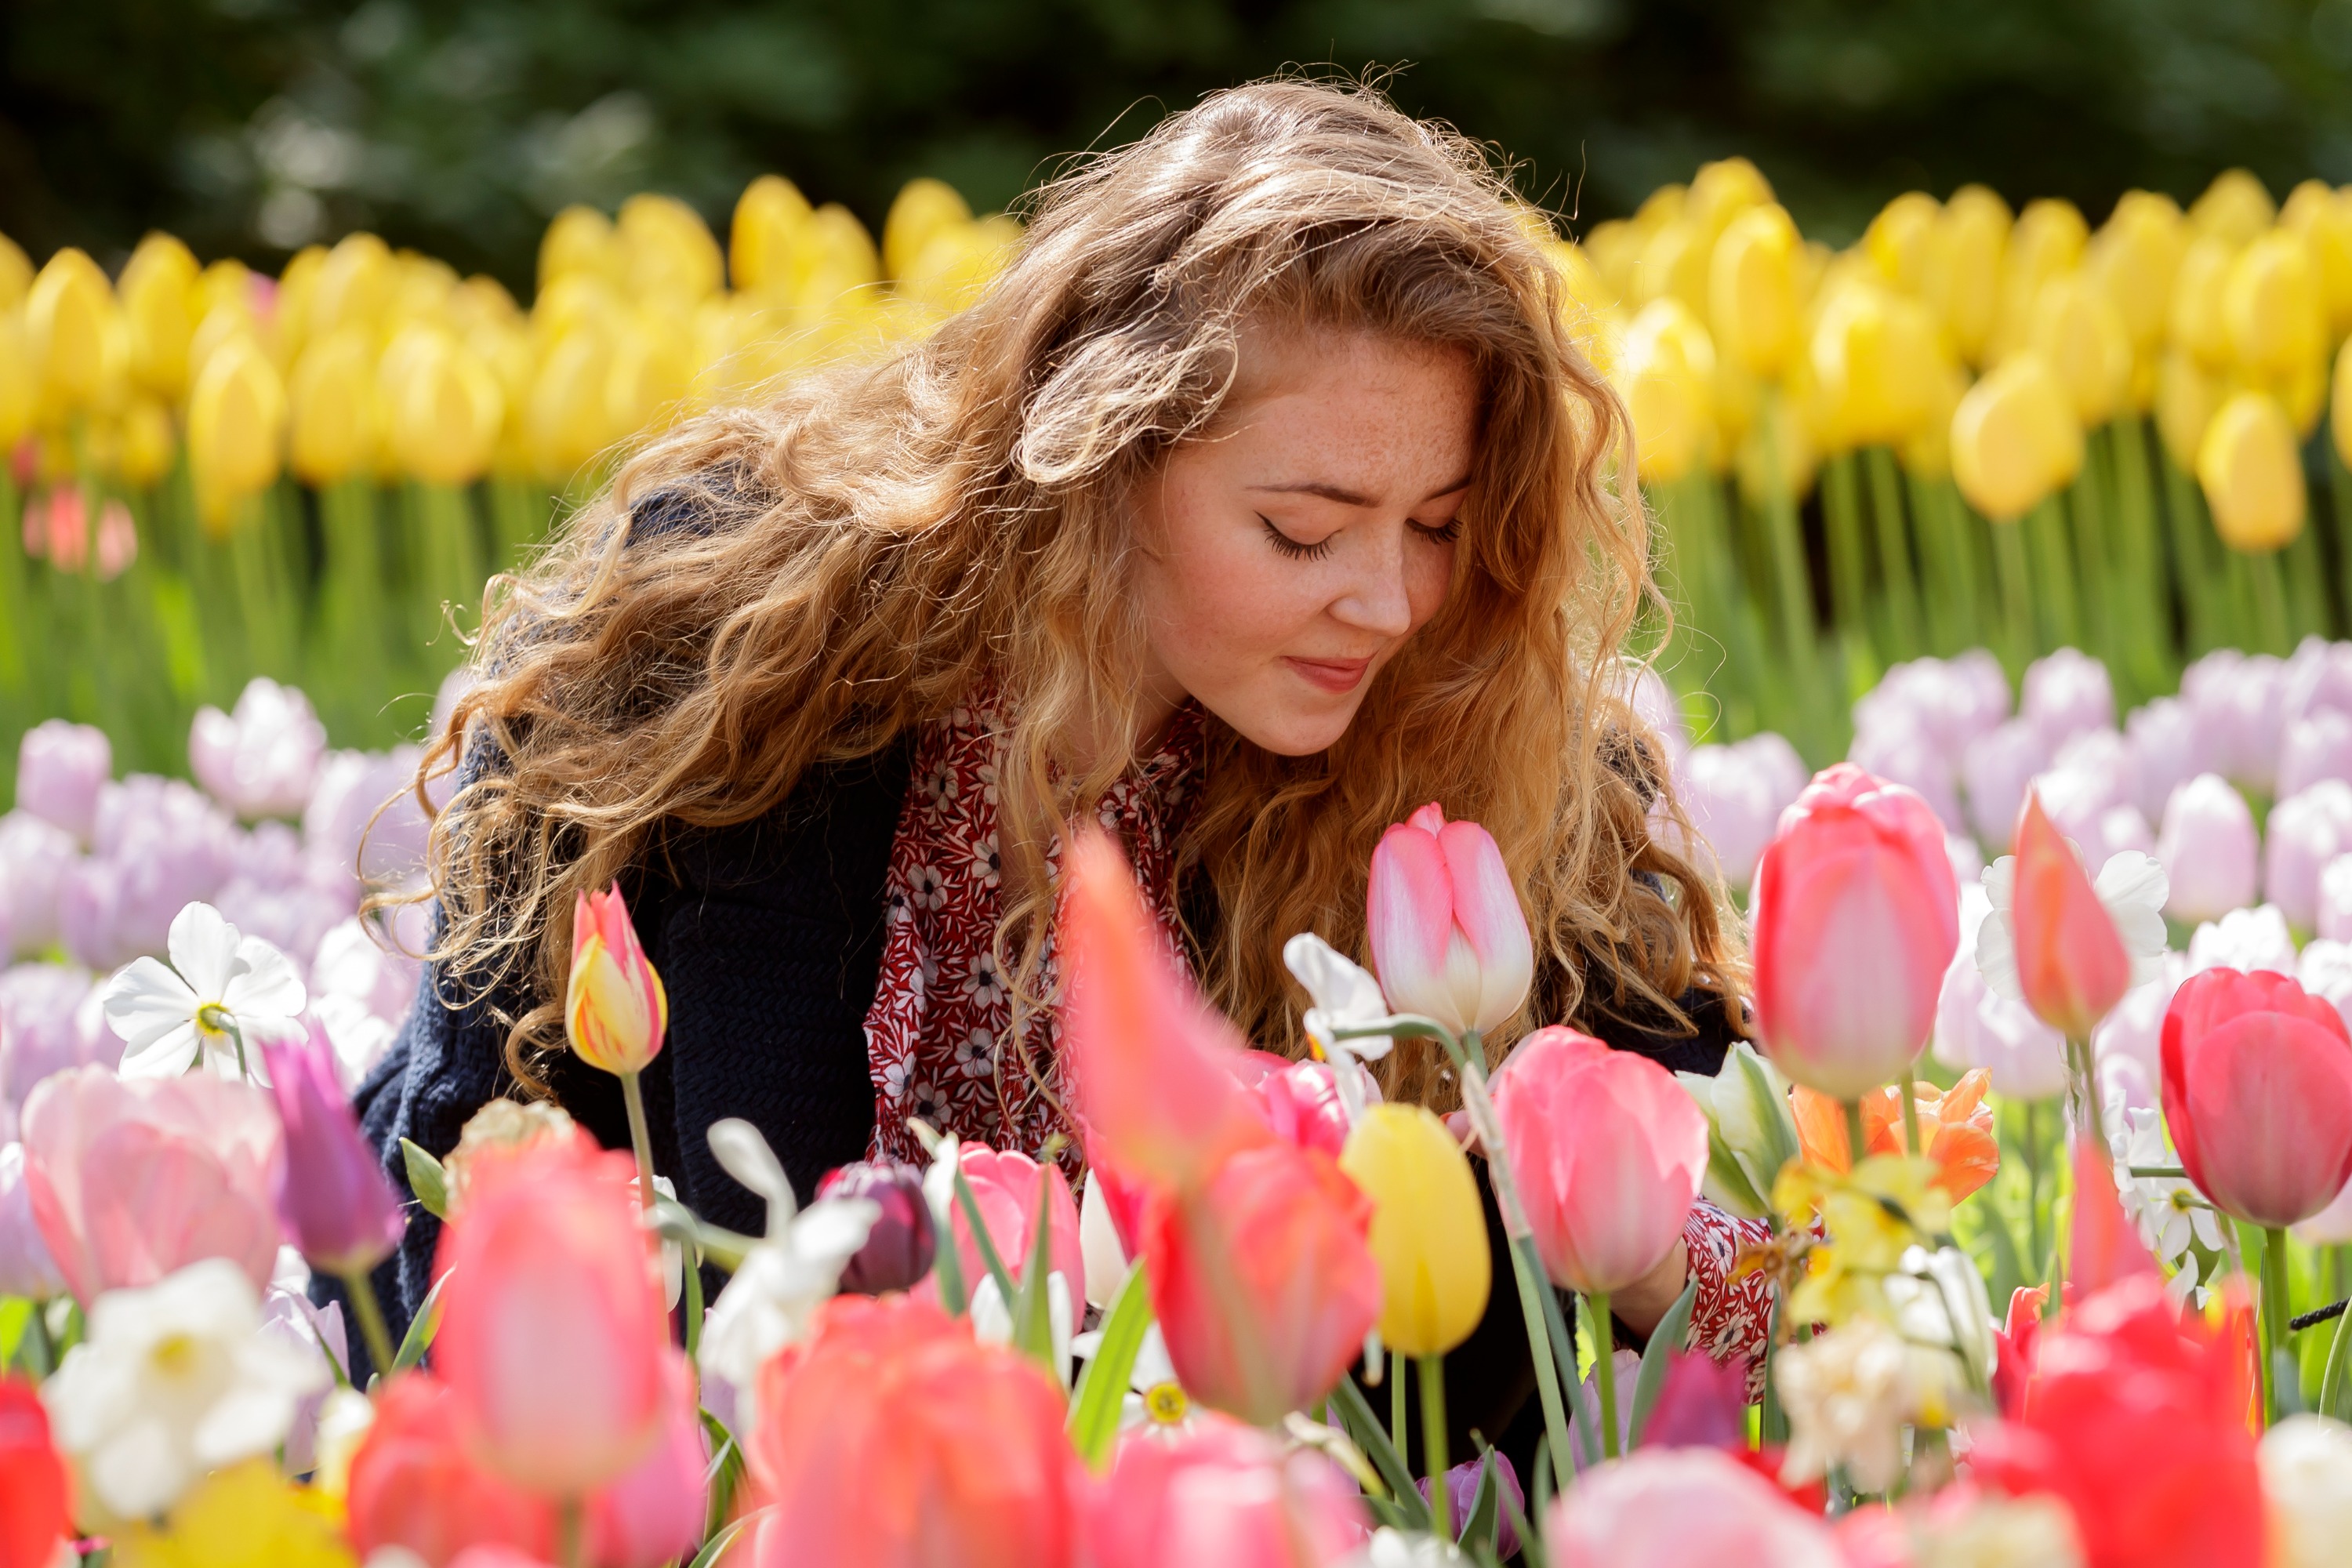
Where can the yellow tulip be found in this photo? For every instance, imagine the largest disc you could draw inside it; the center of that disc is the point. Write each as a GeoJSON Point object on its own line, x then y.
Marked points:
{"type": "Point", "coordinates": [565, 427]}
{"type": "Point", "coordinates": [290, 323]}
{"type": "Point", "coordinates": [236, 423]}
{"type": "Point", "coordinates": [69, 319]}
{"type": "Point", "coordinates": [2196, 322]}
{"type": "Point", "coordinates": [1777, 456]}
{"type": "Point", "coordinates": [443, 408]}
{"type": "Point", "coordinates": [2084, 338]}
{"type": "Point", "coordinates": [1900, 236]}
{"type": "Point", "coordinates": [2340, 409]}
{"type": "Point", "coordinates": [1665, 373]}
{"type": "Point", "coordinates": [2015, 440]}
{"type": "Point", "coordinates": [145, 442]}
{"type": "Point", "coordinates": [1877, 362]}
{"type": "Point", "coordinates": [648, 375]}
{"type": "Point", "coordinates": [2252, 473]}
{"type": "Point", "coordinates": [2048, 240]}
{"type": "Point", "coordinates": [1429, 1232]}
{"type": "Point", "coordinates": [247, 1516]}
{"type": "Point", "coordinates": [1720, 192]}
{"type": "Point", "coordinates": [958, 263]}
{"type": "Point", "coordinates": [1752, 289]}
{"type": "Point", "coordinates": [1674, 265]}
{"type": "Point", "coordinates": [2323, 220]}
{"type": "Point", "coordinates": [1928, 451]}
{"type": "Point", "coordinates": [19, 393]}
{"type": "Point", "coordinates": [2302, 392]}
{"type": "Point", "coordinates": [354, 287]}
{"type": "Point", "coordinates": [923, 209]}
{"type": "Point", "coordinates": [1659, 208]}
{"type": "Point", "coordinates": [1614, 249]}
{"type": "Point", "coordinates": [333, 399]}
{"type": "Point", "coordinates": [835, 256]}
{"type": "Point", "coordinates": [422, 290]}
{"type": "Point", "coordinates": [2235, 208]}
{"type": "Point", "coordinates": [1960, 273]}
{"type": "Point", "coordinates": [579, 241]}
{"type": "Point", "coordinates": [158, 288]}
{"type": "Point", "coordinates": [2271, 307]}
{"type": "Point", "coordinates": [668, 250]}
{"type": "Point", "coordinates": [16, 273]}
{"type": "Point", "coordinates": [2134, 260]}
{"type": "Point", "coordinates": [572, 301]}
{"type": "Point", "coordinates": [2185, 397]}
{"type": "Point", "coordinates": [767, 215]}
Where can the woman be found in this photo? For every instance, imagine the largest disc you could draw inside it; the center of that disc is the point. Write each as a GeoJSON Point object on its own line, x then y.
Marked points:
{"type": "Point", "coordinates": [1261, 500]}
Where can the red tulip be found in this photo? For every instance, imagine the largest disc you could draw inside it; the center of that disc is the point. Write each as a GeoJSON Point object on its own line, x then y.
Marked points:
{"type": "Point", "coordinates": [2258, 1094]}
{"type": "Point", "coordinates": [889, 1440]}
{"type": "Point", "coordinates": [413, 1484]}
{"type": "Point", "coordinates": [1608, 1152]}
{"type": "Point", "coordinates": [654, 1513]}
{"type": "Point", "coordinates": [2136, 1418]}
{"type": "Point", "coordinates": [553, 1337]}
{"type": "Point", "coordinates": [1004, 1187]}
{"type": "Point", "coordinates": [1263, 1280]}
{"type": "Point", "coordinates": [2070, 960]}
{"type": "Point", "coordinates": [1855, 918]}
{"type": "Point", "coordinates": [36, 1493]}
{"type": "Point", "coordinates": [1449, 940]}
{"type": "Point", "coordinates": [613, 1006]}
{"type": "Point", "coordinates": [1150, 1066]}
{"type": "Point", "coordinates": [131, 1181]}
{"type": "Point", "coordinates": [1222, 1493]}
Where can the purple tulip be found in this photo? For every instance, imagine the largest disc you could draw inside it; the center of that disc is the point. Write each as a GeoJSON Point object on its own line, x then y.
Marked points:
{"type": "Point", "coordinates": [1702, 1404]}
{"type": "Point", "coordinates": [2067, 694]}
{"type": "Point", "coordinates": [2240, 703]}
{"type": "Point", "coordinates": [58, 769]}
{"type": "Point", "coordinates": [1730, 805]}
{"type": "Point", "coordinates": [27, 1269]}
{"type": "Point", "coordinates": [332, 1194]}
{"type": "Point", "coordinates": [35, 855]}
{"type": "Point", "coordinates": [2306, 831]}
{"type": "Point", "coordinates": [341, 827]}
{"type": "Point", "coordinates": [1899, 750]}
{"type": "Point", "coordinates": [49, 1022]}
{"type": "Point", "coordinates": [897, 1250]}
{"type": "Point", "coordinates": [1462, 1490]}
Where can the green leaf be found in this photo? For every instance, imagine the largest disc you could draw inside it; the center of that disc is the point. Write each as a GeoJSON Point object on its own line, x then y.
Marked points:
{"type": "Point", "coordinates": [16, 1316]}
{"type": "Point", "coordinates": [1673, 1329]}
{"type": "Point", "coordinates": [1364, 1429]}
{"type": "Point", "coordinates": [1478, 1525]}
{"type": "Point", "coordinates": [1032, 1309]}
{"type": "Point", "coordinates": [421, 1329]}
{"type": "Point", "coordinates": [989, 1256]}
{"type": "Point", "coordinates": [725, 1477]}
{"type": "Point", "coordinates": [1769, 1139]}
{"type": "Point", "coordinates": [716, 1545]}
{"type": "Point", "coordinates": [1102, 1390]}
{"type": "Point", "coordinates": [427, 1179]}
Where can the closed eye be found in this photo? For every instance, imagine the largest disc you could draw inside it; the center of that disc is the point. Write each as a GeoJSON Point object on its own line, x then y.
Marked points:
{"type": "Point", "coordinates": [1292, 547]}
{"type": "Point", "coordinates": [1446, 532]}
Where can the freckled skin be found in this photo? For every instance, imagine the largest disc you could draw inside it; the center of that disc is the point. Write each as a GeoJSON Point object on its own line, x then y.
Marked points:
{"type": "Point", "coordinates": [1289, 552]}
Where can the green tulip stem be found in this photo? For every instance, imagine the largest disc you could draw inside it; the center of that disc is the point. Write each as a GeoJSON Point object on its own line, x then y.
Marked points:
{"type": "Point", "coordinates": [1604, 1372]}
{"type": "Point", "coordinates": [572, 1533]}
{"type": "Point", "coordinates": [1911, 1144]}
{"type": "Point", "coordinates": [2016, 580]}
{"type": "Point", "coordinates": [2033, 1187]}
{"type": "Point", "coordinates": [1855, 1144]}
{"type": "Point", "coordinates": [370, 1312]}
{"type": "Point", "coordinates": [2270, 601]}
{"type": "Point", "coordinates": [2083, 1097]}
{"type": "Point", "coordinates": [1400, 1418]}
{"type": "Point", "coordinates": [2275, 1315]}
{"type": "Point", "coordinates": [633, 1095]}
{"type": "Point", "coordinates": [1432, 1442]}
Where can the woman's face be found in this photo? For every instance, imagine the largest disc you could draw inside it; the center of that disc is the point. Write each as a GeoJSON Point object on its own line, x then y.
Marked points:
{"type": "Point", "coordinates": [1289, 552]}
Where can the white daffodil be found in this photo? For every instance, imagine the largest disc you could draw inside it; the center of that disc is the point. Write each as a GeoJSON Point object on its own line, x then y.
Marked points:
{"type": "Point", "coordinates": [1392, 1548]}
{"type": "Point", "coordinates": [2131, 885]}
{"type": "Point", "coordinates": [175, 1379]}
{"type": "Point", "coordinates": [2306, 1469]}
{"type": "Point", "coordinates": [1346, 995]}
{"type": "Point", "coordinates": [2166, 1211]}
{"type": "Point", "coordinates": [992, 1318]}
{"type": "Point", "coordinates": [786, 1276]}
{"type": "Point", "coordinates": [1849, 1393]}
{"type": "Point", "coordinates": [1153, 1397]}
{"type": "Point", "coordinates": [221, 996]}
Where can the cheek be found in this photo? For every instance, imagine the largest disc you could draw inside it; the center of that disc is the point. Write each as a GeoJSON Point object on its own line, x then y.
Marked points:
{"type": "Point", "coordinates": [1428, 577]}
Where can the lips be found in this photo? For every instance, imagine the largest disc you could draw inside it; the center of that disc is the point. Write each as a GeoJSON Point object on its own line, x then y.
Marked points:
{"type": "Point", "coordinates": [1333, 675]}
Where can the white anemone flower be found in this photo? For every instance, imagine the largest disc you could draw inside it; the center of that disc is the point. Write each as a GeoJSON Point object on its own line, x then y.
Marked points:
{"type": "Point", "coordinates": [176, 1379]}
{"type": "Point", "coordinates": [219, 988]}
{"type": "Point", "coordinates": [786, 1276]}
{"type": "Point", "coordinates": [1346, 995]}
{"type": "Point", "coordinates": [2131, 885]}
{"type": "Point", "coordinates": [1153, 1397]}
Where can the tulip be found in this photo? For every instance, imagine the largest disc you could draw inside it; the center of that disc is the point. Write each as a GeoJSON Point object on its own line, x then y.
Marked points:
{"type": "Point", "coordinates": [2024, 1057]}
{"type": "Point", "coordinates": [2016, 439]}
{"type": "Point", "coordinates": [332, 434]}
{"type": "Point", "coordinates": [1263, 1280]}
{"type": "Point", "coordinates": [134, 1180]}
{"type": "Point", "coordinates": [1875, 359]}
{"type": "Point", "coordinates": [2251, 470]}
{"type": "Point", "coordinates": [1428, 1235]}
{"type": "Point", "coordinates": [158, 294]}
{"type": "Point", "coordinates": [2134, 260]}
{"type": "Point", "coordinates": [768, 215]}
{"type": "Point", "coordinates": [414, 1485]}
{"type": "Point", "coordinates": [36, 1493]}
{"type": "Point", "coordinates": [1665, 373]}
{"type": "Point", "coordinates": [2333, 917]}
{"type": "Point", "coordinates": [667, 249]}
{"type": "Point", "coordinates": [2079, 331]}
{"type": "Point", "coordinates": [263, 758]}
{"type": "Point", "coordinates": [1447, 936]}
{"type": "Point", "coordinates": [1006, 1186]}
{"type": "Point", "coordinates": [2258, 1094]}
{"type": "Point", "coordinates": [69, 319]}
{"type": "Point", "coordinates": [2072, 965]}
{"type": "Point", "coordinates": [1752, 289]}
{"type": "Point", "coordinates": [2306, 1475]}
{"type": "Point", "coordinates": [236, 420]}
{"type": "Point", "coordinates": [1304, 1105]}
{"type": "Point", "coordinates": [2208, 846]}
{"type": "Point", "coordinates": [1148, 1061]}
{"type": "Point", "coordinates": [889, 1440]}
{"type": "Point", "coordinates": [923, 209]}
{"type": "Point", "coordinates": [1750, 1135]}
{"type": "Point", "coordinates": [2318, 746]}
{"type": "Point", "coordinates": [2306, 831]}
{"type": "Point", "coordinates": [2163, 1477]}
{"type": "Point", "coordinates": [654, 1513]}
{"type": "Point", "coordinates": [1960, 274]}
{"type": "Point", "coordinates": [60, 767]}
{"type": "Point", "coordinates": [547, 1267]}
{"type": "Point", "coordinates": [615, 1011]}
{"type": "Point", "coordinates": [443, 411]}
{"type": "Point", "coordinates": [1224, 1493]}
{"type": "Point", "coordinates": [898, 1249]}
{"type": "Point", "coordinates": [1956, 1130]}
{"type": "Point", "coordinates": [1683, 1508]}
{"type": "Point", "coordinates": [1996, 768]}
{"type": "Point", "coordinates": [27, 1269]}
{"type": "Point", "coordinates": [1855, 915]}
{"type": "Point", "coordinates": [332, 1196]}
{"type": "Point", "coordinates": [2272, 307]}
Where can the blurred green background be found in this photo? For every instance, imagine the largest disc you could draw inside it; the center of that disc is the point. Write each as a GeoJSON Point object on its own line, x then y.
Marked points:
{"type": "Point", "coordinates": [251, 127]}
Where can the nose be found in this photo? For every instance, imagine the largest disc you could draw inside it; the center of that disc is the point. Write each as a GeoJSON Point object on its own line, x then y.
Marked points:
{"type": "Point", "coordinates": [1374, 599]}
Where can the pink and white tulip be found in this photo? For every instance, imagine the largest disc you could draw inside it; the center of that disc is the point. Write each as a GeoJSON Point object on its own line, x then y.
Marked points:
{"type": "Point", "coordinates": [1448, 938]}
{"type": "Point", "coordinates": [60, 766]}
{"type": "Point", "coordinates": [260, 759]}
{"type": "Point", "coordinates": [2208, 847]}
{"type": "Point", "coordinates": [2306, 832]}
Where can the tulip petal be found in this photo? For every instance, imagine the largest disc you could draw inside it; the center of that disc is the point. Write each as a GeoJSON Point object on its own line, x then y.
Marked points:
{"type": "Point", "coordinates": [1486, 910]}
{"type": "Point", "coordinates": [1409, 908]}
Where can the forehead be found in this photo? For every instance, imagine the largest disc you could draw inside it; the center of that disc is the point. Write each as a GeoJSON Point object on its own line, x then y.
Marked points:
{"type": "Point", "coordinates": [1380, 401]}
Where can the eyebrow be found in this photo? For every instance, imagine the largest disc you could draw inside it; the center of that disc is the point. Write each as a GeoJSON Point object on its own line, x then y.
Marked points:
{"type": "Point", "coordinates": [1346, 497]}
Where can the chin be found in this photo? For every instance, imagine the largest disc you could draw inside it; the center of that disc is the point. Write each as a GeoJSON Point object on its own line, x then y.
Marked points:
{"type": "Point", "coordinates": [1295, 734]}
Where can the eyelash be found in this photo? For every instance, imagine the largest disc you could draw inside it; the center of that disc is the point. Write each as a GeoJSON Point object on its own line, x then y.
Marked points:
{"type": "Point", "coordinates": [1446, 533]}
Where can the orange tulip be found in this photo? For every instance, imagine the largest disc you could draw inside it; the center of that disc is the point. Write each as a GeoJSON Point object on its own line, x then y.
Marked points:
{"type": "Point", "coordinates": [1956, 1127]}
{"type": "Point", "coordinates": [613, 1006]}
{"type": "Point", "coordinates": [2070, 960]}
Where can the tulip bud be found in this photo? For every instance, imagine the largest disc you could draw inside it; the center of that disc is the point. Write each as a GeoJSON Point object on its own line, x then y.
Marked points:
{"type": "Point", "coordinates": [2197, 321]}
{"type": "Point", "coordinates": [1752, 289]}
{"type": "Point", "coordinates": [355, 285]}
{"type": "Point", "coordinates": [69, 317]}
{"type": "Point", "coordinates": [2324, 219]}
{"type": "Point", "coordinates": [1877, 362]}
{"type": "Point", "coordinates": [614, 1009]}
{"type": "Point", "coordinates": [667, 250]}
{"type": "Point", "coordinates": [898, 1249]}
{"type": "Point", "coordinates": [2235, 208]}
{"type": "Point", "coordinates": [2083, 337]}
{"type": "Point", "coordinates": [1674, 265]}
{"type": "Point", "coordinates": [2272, 308]}
{"type": "Point", "coordinates": [2071, 963]}
{"type": "Point", "coordinates": [2134, 260]}
{"type": "Point", "coordinates": [148, 443]}
{"type": "Point", "coordinates": [16, 273]}
{"type": "Point", "coordinates": [1218, 1491]}
{"type": "Point", "coordinates": [19, 392]}
{"type": "Point", "coordinates": [923, 209]}
{"type": "Point", "coordinates": [578, 241]}
{"type": "Point", "coordinates": [334, 416]}
{"type": "Point", "coordinates": [445, 413]}
{"type": "Point", "coordinates": [767, 215]}
{"type": "Point", "coordinates": [1429, 1234]}
{"type": "Point", "coordinates": [958, 262]}
{"type": "Point", "coordinates": [1447, 935]}
{"type": "Point", "coordinates": [2186, 398]}
{"type": "Point", "coordinates": [2015, 438]}
{"type": "Point", "coordinates": [2258, 1094]}
{"type": "Point", "coordinates": [237, 421]}
{"type": "Point", "coordinates": [1721, 191]}
{"type": "Point", "coordinates": [1899, 239]}
{"type": "Point", "coordinates": [1960, 274]}
{"type": "Point", "coordinates": [2047, 242]}
{"type": "Point", "coordinates": [158, 288]}
{"type": "Point", "coordinates": [1665, 373]}
{"type": "Point", "coordinates": [564, 423]}
{"type": "Point", "coordinates": [2251, 467]}
{"type": "Point", "coordinates": [338, 1208]}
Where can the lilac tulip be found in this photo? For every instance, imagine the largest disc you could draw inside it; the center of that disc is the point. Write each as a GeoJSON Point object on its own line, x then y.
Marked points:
{"type": "Point", "coordinates": [261, 759]}
{"type": "Point", "coordinates": [1655, 705]}
{"type": "Point", "coordinates": [27, 1269]}
{"type": "Point", "coordinates": [1462, 1494]}
{"type": "Point", "coordinates": [2324, 969]}
{"type": "Point", "coordinates": [363, 816]}
{"type": "Point", "coordinates": [2239, 700]}
{"type": "Point", "coordinates": [2245, 940]}
{"type": "Point", "coordinates": [1995, 769]}
{"type": "Point", "coordinates": [2316, 679]}
{"type": "Point", "coordinates": [51, 1021]}
{"type": "Point", "coordinates": [2134, 1032]}
{"type": "Point", "coordinates": [898, 1249]}
{"type": "Point", "coordinates": [1729, 804]}
{"type": "Point", "coordinates": [1976, 1029]}
{"type": "Point", "coordinates": [1899, 749]}
{"type": "Point", "coordinates": [1783, 768]}
{"type": "Point", "coordinates": [331, 1193]}
{"type": "Point", "coordinates": [2306, 832]}
{"type": "Point", "coordinates": [35, 855]}
{"type": "Point", "coordinates": [2333, 920]}
{"type": "Point", "coordinates": [2165, 752]}
{"type": "Point", "coordinates": [2317, 746]}
{"type": "Point", "coordinates": [2067, 694]}
{"type": "Point", "coordinates": [60, 766]}
{"type": "Point", "coordinates": [2209, 848]}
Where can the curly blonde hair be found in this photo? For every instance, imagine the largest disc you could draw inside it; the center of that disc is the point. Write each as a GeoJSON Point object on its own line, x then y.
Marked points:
{"type": "Point", "coordinates": [880, 541]}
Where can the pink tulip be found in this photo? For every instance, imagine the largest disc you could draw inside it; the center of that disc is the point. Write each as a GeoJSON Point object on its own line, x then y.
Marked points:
{"type": "Point", "coordinates": [2165, 752]}
{"type": "Point", "coordinates": [1150, 1066]}
{"type": "Point", "coordinates": [1683, 1508]}
{"type": "Point", "coordinates": [1448, 939]}
{"type": "Point", "coordinates": [261, 759]}
{"type": "Point", "coordinates": [60, 766]}
{"type": "Point", "coordinates": [1732, 802]}
{"type": "Point", "coordinates": [2066, 694]}
{"type": "Point", "coordinates": [2240, 703]}
{"type": "Point", "coordinates": [131, 1181]}
{"type": "Point", "coordinates": [654, 1513]}
{"type": "Point", "coordinates": [1263, 1280]}
{"type": "Point", "coordinates": [1302, 1106]}
{"type": "Point", "coordinates": [1222, 1493]}
{"type": "Point", "coordinates": [1607, 1152]}
{"type": "Point", "coordinates": [1005, 1185]}
{"type": "Point", "coordinates": [2317, 747]}
{"type": "Point", "coordinates": [2306, 831]}
{"type": "Point", "coordinates": [1996, 768]}
{"type": "Point", "coordinates": [2071, 960]}
{"type": "Point", "coordinates": [553, 1337]}
{"type": "Point", "coordinates": [1901, 753]}
{"type": "Point", "coordinates": [27, 1269]}
{"type": "Point", "coordinates": [1855, 915]}
{"type": "Point", "coordinates": [35, 856]}
{"type": "Point", "coordinates": [2258, 1094]}
{"type": "Point", "coordinates": [2209, 848]}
